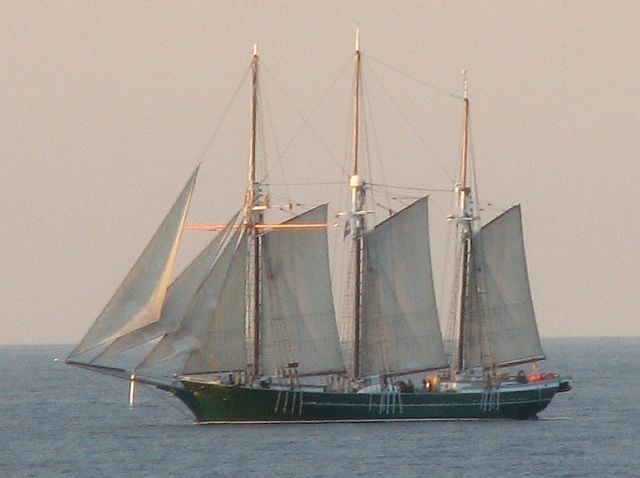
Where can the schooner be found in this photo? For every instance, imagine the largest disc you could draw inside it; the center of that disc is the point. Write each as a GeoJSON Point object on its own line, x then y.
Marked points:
{"type": "Point", "coordinates": [248, 331]}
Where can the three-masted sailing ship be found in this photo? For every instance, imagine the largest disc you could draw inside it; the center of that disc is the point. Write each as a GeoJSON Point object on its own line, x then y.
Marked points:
{"type": "Point", "coordinates": [247, 332]}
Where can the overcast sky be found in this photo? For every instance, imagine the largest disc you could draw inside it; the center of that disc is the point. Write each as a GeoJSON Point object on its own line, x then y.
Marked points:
{"type": "Point", "coordinates": [106, 107]}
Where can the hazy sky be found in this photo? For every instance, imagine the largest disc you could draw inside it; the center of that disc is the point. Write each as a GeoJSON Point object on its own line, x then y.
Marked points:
{"type": "Point", "coordinates": [105, 108]}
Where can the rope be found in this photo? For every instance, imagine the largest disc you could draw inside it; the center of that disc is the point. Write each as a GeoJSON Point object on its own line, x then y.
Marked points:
{"type": "Point", "coordinates": [410, 124]}
{"type": "Point", "coordinates": [367, 118]}
{"type": "Point", "coordinates": [275, 143]}
{"type": "Point", "coordinates": [305, 184]}
{"type": "Point", "coordinates": [305, 119]}
{"type": "Point", "coordinates": [216, 130]}
{"type": "Point", "coordinates": [415, 79]}
{"type": "Point", "coordinates": [390, 186]}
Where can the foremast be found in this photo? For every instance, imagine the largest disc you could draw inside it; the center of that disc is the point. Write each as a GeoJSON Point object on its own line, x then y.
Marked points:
{"type": "Point", "coordinates": [463, 219]}
{"type": "Point", "coordinates": [252, 220]}
{"type": "Point", "coordinates": [356, 214]}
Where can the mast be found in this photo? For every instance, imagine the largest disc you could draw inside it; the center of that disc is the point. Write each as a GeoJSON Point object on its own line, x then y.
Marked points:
{"type": "Point", "coordinates": [464, 218]}
{"type": "Point", "coordinates": [357, 202]}
{"type": "Point", "coordinates": [253, 218]}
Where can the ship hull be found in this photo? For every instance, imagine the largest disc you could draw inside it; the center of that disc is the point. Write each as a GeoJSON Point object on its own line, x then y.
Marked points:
{"type": "Point", "coordinates": [216, 403]}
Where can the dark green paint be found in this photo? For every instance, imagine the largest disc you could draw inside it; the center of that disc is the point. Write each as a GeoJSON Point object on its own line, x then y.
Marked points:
{"type": "Point", "coordinates": [220, 403]}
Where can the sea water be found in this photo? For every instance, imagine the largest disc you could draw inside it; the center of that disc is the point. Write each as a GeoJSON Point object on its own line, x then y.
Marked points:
{"type": "Point", "coordinates": [60, 421]}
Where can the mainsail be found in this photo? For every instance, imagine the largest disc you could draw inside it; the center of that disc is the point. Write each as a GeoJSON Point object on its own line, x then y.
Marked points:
{"type": "Point", "coordinates": [297, 318]}
{"type": "Point", "coordinates": [139, 299]}
{"type": "Point", "coordinates": [400, 328]}
{"type": "Point", "coordinates": [211, 335]}
{"type": "Point", "coordinates": [501, 325]}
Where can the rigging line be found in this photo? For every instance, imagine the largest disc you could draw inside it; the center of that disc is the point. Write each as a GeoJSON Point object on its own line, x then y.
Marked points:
{"type": "Point", "coordinates": [369, 112]}
{"type": "Point", "coordinates": [269, 115]}
{"type": "Point", "coordinates": [473, 169]}
{"type": "Point", "coordinates": [449, 276]}
{"type": "Point", "coordinates": [416, 79]}
{"type": "Point", "coordinates": [436, 190]}
{"type": "Point", "coordinates": [227, 108]}
{"type": "Point", "coordinates": [447, 257]}
{"type": "Point", "coordinates": [408, 122]}
{"type": "Point", "coordinates": [480, 275]}
{"type": "Point", "coordinates": [262, 142]}
{"type": "Point", "coordinates": [365, 127]}
{"type": "Point", "coordinates": [306, 119]}
{"type": "Point", "coordinates": [400, 199]}
{"type": "Point", "coordinates": [306, 184]}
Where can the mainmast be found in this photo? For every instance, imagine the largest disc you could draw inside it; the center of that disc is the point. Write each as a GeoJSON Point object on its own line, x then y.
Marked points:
{"type": "Point", "coordinates": [357, 215]}
{"type": "Point", "coordinates": [253, 218]}
{"type": "Point", "coordinates": [464, 218]}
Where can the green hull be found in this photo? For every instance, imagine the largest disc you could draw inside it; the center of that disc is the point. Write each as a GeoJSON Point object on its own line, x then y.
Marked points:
{"type": "Point", "coordinates": [215, 403]}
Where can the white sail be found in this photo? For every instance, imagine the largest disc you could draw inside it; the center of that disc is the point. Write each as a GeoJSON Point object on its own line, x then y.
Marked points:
{"type": "Point", "coordinates": [179, 297]}
{"type": "Point", "coordinates": [214, 321]}
{"type": "Point", "coordinates": [501, 325]}
{"type": "Point", "coordinates": [298, 317]}
{"type": "Point", "coordinates": [400, 328]}
{"type": "Point", "coordinates": [139, 299]}
{"type": "Point", "coordinates": [222, 346]}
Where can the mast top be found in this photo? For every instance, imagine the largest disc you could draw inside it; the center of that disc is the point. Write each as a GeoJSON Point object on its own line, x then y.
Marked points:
{"type": "Point", "coordinates": [465, 84]}
{"type": "Point", "coordinates": [358, 40]}
{"type": "Point", "coordinates": [255, 49]}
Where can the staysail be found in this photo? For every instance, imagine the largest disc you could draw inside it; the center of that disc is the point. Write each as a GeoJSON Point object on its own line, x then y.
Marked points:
{"type": "Point", "coordinates": [223, 343]}
{"type": "Point", "coordinates": [400, 328]}
{"type": "Point", "coordinates": [179, 297]}
{"type": "Point", "coordinates": [211, 334]}
{"type": "Point", "coordinates": [139, 299]}
{"type": "Point", "coordinates": [501, 324]}
{"type": "Point", "coordinates": [298, 318]}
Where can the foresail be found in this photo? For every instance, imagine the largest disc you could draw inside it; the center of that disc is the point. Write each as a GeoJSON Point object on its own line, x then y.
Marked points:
{"type": "Point", "coordinates": [139, 299]}
{"type": "Point", "coordinates": [400, 327]}
{"type": "Point", "coordinates": [179, 296]}
{"type": "Point", "coordinates": [215, 318]}
{"type": "Point", "coordinates": [223, 343]}
{"type": "Point", "coordinates": [501, 323]}
{"type": "Point", "coordinates": [298, 317]}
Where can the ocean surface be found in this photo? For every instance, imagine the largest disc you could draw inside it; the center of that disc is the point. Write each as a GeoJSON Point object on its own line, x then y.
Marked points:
{"type": "Point", "coordinates": [59, 421]}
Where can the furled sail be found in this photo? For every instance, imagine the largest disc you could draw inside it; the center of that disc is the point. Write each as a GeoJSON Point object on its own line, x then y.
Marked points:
{"type": "Point", "coordinates": [139, 299]}
{"type": "Point", "coordinates": [179, 297]}
{"type": "Point", "coordinates": [298, 317]}
{"type": "Point", "coordinates": [501, 325]}
{"type": "Point", "coordinates": [400, 328]}
{"type": "Point", "coordinates": [212, 332]}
